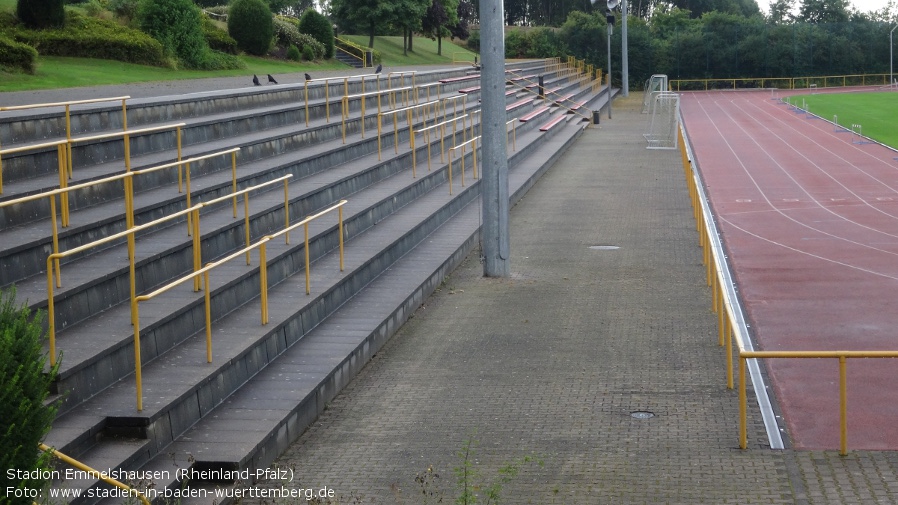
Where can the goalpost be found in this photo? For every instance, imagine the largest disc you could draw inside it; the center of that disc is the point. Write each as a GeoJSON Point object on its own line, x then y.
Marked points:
{"type": "Point", "coordinates": [664, 122]}
{"type": "Point", "coordinates": [654, 85]}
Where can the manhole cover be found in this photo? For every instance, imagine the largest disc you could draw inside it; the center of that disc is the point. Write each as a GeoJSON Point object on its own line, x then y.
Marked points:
{"type": "Point", "coordinates": [604, 247]}
{"type": "Point", "coordinates": [641, 414]}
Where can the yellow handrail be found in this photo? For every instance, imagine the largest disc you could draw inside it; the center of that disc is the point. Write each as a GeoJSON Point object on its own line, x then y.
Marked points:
{"type": "Point", "coordinates": [473, 142]}
{"type": "Point", "coordinates": [725, 308]}
{"type": "Point", "coordinates": [327, 80]}
{"type": "Point", "coordinates": [96, 473]}
{"type": "Point", "coordinates": [362, 96]}
{"type": "Point", "coordinates": [442, 126]}
{"type": "Point", "coordinates": [788, 82]}
{"type": "Point", "coordinates": [408, 111]}
{"type": "Point", "coordinates": [356, 47]}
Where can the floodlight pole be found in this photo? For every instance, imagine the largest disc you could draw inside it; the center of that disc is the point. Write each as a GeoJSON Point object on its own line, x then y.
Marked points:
{"type": "Point", "coordinates": [609, 17]}
{"type": "Point", "coordinates": [625, 63]}
{"type": "Point", "coordinates": [891, 59]}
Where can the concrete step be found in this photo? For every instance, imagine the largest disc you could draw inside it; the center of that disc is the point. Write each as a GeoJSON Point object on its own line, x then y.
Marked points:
{"type": "Point", "coordinates": [187, 399]}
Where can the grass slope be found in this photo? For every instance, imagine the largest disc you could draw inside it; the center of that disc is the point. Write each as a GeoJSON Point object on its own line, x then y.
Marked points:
{"type": "Point", "coordinates": [875, 112]}
{"type": "Point", "coordinates": [424, 50]}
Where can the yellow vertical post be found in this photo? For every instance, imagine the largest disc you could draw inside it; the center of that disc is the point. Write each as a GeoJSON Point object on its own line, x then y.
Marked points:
{"type": "Point", "coordinates": [843, 406]}
{"type": "Point", "coordinates": [63, 198]}
{"type": "Point", "coordinates": [729, 351]}
{"type": "Point", "coordinates": [743, 406]}
{"type": "Point", "coordinates": [127, 140]}
{"type": "Point", "coordinates": [68, 138]}
{"type": "Point", "coordinates": [475, 159]}
{"type": "Point", "coordinates": [135, 322]}
{"type": "Point", "coordinates": [306, 247]}
{"type": "Point", "coordinates": [378, 135]}
{"type": "Point", "coordinates": [306, 96]}
{"type": "Point", "coordinates": [286, 210]}
{"type": "Point", "coordinates": [234, 181]}
{"type": "Point", "coordinates": [263, 280]}
{"type": "Point", "coordinates": [51, 314]}
{"type": "Point", "coordinates": [207, 298]}
{"type": "Point", "coordinates": [246, 223]}
{"type": "Point", "coordinates": [190, 215]}
{"type": "Point", "coordinates": [55, 237]}
{"type": "Point", "coordinates": [132, 270]}
{"type": "Point", "coordinates": [340, 230]}
{"type": "Point", "coordinates": [197, 251]}
{"type": "Point", "coordinates": [124, 115]}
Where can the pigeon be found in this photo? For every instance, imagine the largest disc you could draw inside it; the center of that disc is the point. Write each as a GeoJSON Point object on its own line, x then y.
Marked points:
{"type": "Point", "coordinates": [271, 79]}
{"type": "Point", "coordinates": [256, 80]}
{"type": "Point", "coordinates": [378, 69]}
{"type": "Point", "coordinates": [308, 77]}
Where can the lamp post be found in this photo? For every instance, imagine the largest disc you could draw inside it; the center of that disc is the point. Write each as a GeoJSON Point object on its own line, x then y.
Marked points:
{"type": "Point", "coordinates": [891, 71]}
{"type": "Point", "coordinates": [625, 64]}
{"type": "Point", "coordinates": [609, 17]}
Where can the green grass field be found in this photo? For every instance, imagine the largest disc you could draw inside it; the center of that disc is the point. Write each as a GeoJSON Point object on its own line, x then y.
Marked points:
{"type": "Point", "coordinates": [877, 113]}
{"type": "Point", "coordinates": [424, 50]}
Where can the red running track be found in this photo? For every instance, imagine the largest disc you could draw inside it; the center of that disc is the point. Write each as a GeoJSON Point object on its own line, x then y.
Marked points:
{"type": "Point", "coordinates": [809, 219]}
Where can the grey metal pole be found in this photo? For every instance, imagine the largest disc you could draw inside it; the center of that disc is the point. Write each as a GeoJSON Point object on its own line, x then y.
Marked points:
{"type": "Point", "coordinates": [610, 27]}
{"type": "Point", "coordinates": [494, 186]}
{"type": "Point", "coordinates": [891, 60]}
{"type": "Point", "coordinates": [625, 59]}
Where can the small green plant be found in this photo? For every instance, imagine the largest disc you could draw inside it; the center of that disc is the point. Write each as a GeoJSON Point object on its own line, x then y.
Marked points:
{"type": "Point", "coordinates": [308, 53]}
{"type": "Point", "coordinates": [471, 489]}
{"type": "Point", "coordinates": [293, 53]}
{"type": "Point", "coordinates": [24, 387]}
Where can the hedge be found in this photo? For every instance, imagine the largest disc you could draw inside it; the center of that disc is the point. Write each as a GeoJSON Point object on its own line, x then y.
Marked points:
{"type": "Point", "coordinates": [17, 56]}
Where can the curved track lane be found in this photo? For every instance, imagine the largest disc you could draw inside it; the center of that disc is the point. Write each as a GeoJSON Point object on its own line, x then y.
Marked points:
{"type": "Point", "coordinates": [809, 219]}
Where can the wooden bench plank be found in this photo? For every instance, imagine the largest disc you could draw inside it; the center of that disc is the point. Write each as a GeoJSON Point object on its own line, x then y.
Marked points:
{"type": "Point", "coordinates": [538, 112]}
{"type": "Point", "coordinates": [548, 126]}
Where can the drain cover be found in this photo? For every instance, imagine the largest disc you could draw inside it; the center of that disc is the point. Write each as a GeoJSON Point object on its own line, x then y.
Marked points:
{"type": "Point", "coordinates": [641, 414]}
{"type": "Point", "coordinates": [604, 247]}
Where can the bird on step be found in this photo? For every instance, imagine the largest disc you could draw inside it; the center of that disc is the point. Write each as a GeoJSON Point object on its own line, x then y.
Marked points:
{"type": "Point", "coordinates": [378, 69]}
{"type": "Point", "coordinates": [308, 77]}
{"type": "Point", "coordinates": [271, 79]}
{"type": "Point", "coordinates": [256, 80]}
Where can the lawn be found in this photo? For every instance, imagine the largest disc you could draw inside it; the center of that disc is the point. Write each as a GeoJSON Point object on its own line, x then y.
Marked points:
{"type": "Point", "coordinates": [424, 50]}
{"type": "Point", "coordinates": [877, 113]}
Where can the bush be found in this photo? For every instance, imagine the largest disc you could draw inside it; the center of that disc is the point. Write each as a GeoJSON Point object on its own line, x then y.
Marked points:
{"type": "Point", "coordinates": [23, 388]}
{"type": "Point", "coordinates": [250, 23]}
{"type": "Point", "coordinates": [177, 25]}
{"type": "Point", "coordinates": [41, 13]}
{"type": "Point", "coordinates": [16, 56]}
{"type": "Point", "coordinates": [124, 8]}
{"type": "Point", "coordinates": [293, 53]}
{"type": "Point", "coordinates": [307, 53]}
{"type": "Point", "coordinates": [319, 28]}
{"type": "Point", "coordinates": [217, 38]}
{"type": "Point", "coordinates": [94, 38]}
{"type": "Point", "coordinates": [473, 41]}
{"type": "Point", "coordinates": [287, 34]}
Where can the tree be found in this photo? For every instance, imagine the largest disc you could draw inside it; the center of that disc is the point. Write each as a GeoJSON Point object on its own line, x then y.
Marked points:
{"type": "Point", "coordinates": [23, 390]}
{"type": "Point", "coordinates": [440, 16]}
{"type": "Point", "coordinates": [363, 16]}
{"type": "Point", "coordinates": [823, 11]}
{"type": "Point", "coordinates": [466, 16]}
{"type": "Point", "coordinates": [319, 28]}
{"type": "Point", "coordinates": [177, 25]}
{"type": "Point", "coordinates": [41, 13]}
{"type": "Point", "coordinates": [250, 23]}
{"type": "Point", "coordinates": [781, 11]}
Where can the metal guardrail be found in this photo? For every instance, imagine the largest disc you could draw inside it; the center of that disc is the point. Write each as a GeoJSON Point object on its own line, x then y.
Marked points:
{"type": "Point", "coordinates": [730, 322]}
{"type": "Point", "coordinates": [131, 492]}
{"type": "Point", "coordinates": [780, 82]}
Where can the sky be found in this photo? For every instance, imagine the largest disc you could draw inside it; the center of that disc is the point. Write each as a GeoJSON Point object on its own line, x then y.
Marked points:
{"type": "Point", "coordinates": [861, 5]}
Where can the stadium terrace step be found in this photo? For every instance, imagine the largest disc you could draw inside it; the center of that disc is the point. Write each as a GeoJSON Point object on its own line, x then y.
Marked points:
{"type": "Point", "coordinates": [392, 220]}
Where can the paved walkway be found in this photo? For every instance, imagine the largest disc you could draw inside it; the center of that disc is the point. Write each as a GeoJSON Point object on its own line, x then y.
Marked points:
{"type": "Point", "coordinates": [559, 362]}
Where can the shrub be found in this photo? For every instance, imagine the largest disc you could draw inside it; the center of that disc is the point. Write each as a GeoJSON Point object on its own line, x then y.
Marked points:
{"type": "Point", "coordinates": [293, 53]}
{"type": "Point", "coordinates": [287, 34]}
{"type": "Point", "coordinates": [307, 53]}
{"type": "Point", "coordinates": [17, 56]}
{"type": "Point", "coordinates": [320, 28]}
{"type": "Point", "coordinates": [124, 8]}
{"type": "Point", "coordinates": [23, 388]}
{"type": "Point", "coordinates": [94, 38]}
{"type": "Point", "coordinates": [41, 13]}
{"type": "Point", "coordinates": [217, 38]}
{"type": "Point", "coordinates": [176, 24]}
{"type": "Point", "coordinates": [250, 23]}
